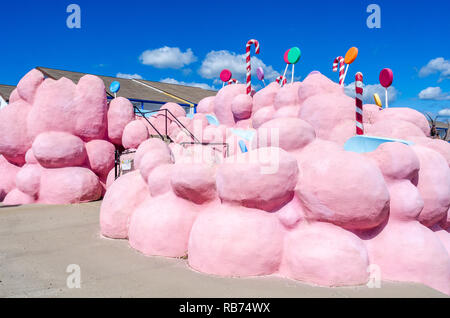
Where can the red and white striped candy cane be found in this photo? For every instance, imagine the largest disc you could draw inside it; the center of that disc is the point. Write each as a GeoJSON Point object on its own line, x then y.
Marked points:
{"type": "Point", "coordinates": [281, 79]}
{"type": "Point", "coordinates": [249, 67]}
{"type": "Point", "coordinates": [339, 61]}
{"type": "Point", "coordinates": [359, 103]}
{"type": "Point", "coordinates": [232, 81]}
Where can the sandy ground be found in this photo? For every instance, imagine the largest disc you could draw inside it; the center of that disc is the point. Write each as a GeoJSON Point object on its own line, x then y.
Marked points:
{"type": "Point", "coordinates": [38, 243]}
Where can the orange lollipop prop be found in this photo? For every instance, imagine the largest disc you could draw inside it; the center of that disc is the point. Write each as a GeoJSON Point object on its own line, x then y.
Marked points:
{"type": "Point", "coordinates": [350, 57]}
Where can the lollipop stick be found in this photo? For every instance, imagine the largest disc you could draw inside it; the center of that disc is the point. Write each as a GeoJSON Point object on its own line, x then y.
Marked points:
{"type": "Point", "coordinates": [386, 94]}
{"type": "Point", "coordinates": [285, 70]}
{"type": "Point", "coordinates": [292, 79]}
{"type": "Point", "coordinates": [264, 83]}
{"type": "Point", "coordinates": [345, 74]}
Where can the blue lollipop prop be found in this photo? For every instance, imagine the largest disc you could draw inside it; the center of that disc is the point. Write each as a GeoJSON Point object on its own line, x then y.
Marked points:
{"type": "Point", "coordinates": [243, 146]}
{"type": "Point", "coordinates": [114, 88]}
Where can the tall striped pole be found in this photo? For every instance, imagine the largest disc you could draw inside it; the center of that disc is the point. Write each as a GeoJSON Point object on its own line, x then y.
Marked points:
{"type": "Point", "coordinates": [339, 61]}
{"type": "Point", "coordinates": [249, 66]}
{"type": "Point", "coordinates": [359, 103]}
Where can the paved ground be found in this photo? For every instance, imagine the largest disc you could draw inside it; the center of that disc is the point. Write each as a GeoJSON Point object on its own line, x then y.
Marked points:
{"type": "Point", "coordinates": [37, 243]}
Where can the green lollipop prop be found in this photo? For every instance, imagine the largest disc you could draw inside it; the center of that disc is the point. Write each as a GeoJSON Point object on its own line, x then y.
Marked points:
{"type": "Point", "coordinates": [293, 57]}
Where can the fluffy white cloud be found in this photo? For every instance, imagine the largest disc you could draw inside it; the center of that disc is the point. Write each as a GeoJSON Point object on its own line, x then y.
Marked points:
{"type": "Point", "coordinates": [216, 61]}
{"type": "Point", "coordinates": [193, 84]}
{"type": "Point", "coordinates": [168, 57]}
{"type": "Point", "coordinates": [433, 93]}
{"type": "Point", "coordinates": [444, 112]}
{"type": "Point", "coordinates": [128, 76]}
{"type": "Point", "coordinates": [437, 65]}
{"type": "Point", "coordinates": [370, 90]}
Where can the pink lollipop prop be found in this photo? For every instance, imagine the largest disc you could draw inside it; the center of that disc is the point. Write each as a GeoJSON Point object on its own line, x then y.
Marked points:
{"type": "Point", "coordinates": [386, 79]}
{"type": "Point", "coordinates": [260, 74]}
{"type": "Point", "coordinates": [225, 76]}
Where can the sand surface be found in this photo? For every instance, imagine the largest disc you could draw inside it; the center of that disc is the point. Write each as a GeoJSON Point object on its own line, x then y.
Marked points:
{"type": "Point", "coordinates": [38, 243]}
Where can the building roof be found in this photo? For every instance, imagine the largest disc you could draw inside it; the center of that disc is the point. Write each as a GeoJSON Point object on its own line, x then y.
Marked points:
{"type": "Point", "coordinates": [140, 89]}
{"type": "Point", "coordinates": [5, 91]}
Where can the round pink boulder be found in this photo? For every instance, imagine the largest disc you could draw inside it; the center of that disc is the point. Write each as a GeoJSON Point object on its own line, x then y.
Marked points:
{"type": "Point", "coordinates": [28, 179]}
{"type": "Point", "coordinates": [17, 197]}
{"type": "Point", "coordinates": [29, 84]}
{"type": "Point", "coordinates": [241, 106]}
{"type": "Point", "coordinates": [101, 155]}
{"type": "Point", "coordinates": [120, 114]}
{"type": "Point", "coordinates": [134, 134]}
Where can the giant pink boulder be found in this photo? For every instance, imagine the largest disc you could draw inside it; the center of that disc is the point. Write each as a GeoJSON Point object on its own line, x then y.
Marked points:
{"type": "Point", "coordinates": [17, 197]}
{"type": "Point", "coordinates": [100, 157]}
{"type": "Point", "coordinates": [404, 114]}
{"type": "Point", "coordinates": [120, 113]}
{"type": "Point", "coordinates": [287, 96]}
{"type": "Point", "coordinates": [173, 110]}
{"type": "Point", "coordinates": [317, 84]}
{"type": "Point", "coordinates": [119, 203]}
{"type": "Point", "coordinates": [134, 134]}
{"type": "Point", "coordinates": [206, 105]}
{"type": "Point", "coordinates": [29, 84]}
{"type": "Point", "coordinates": [8, 172]}
{"type": "Point", "coordinates": [58, 150]}
{"type": "Point", "coordinates": [236, 241]}
{"type": "Point", "coordinates": [28, 179]}
{"type": "Point", "coordinates": [241, 106]}
{"type": "Point", "coordinates": [265, 97]}
{"type": "Point", "coordinates": [223, 101]}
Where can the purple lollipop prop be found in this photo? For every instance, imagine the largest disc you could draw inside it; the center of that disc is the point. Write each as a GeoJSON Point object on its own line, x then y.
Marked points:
{"type": "Point", "coordinates": [260, 74]}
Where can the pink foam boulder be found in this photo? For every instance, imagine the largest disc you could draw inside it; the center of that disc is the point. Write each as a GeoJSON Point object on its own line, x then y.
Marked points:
{"type": "Point", "coordinates": [14, 138]}
{"type": "Point", "coordinates": [236, 241]}
{"type": "Point", "coordinates": [264, 178]}
{"type": "Point", "coordinates": [370, 113]}
{"type": "Point", "coordinates": [17, 197]}
{"type": "Point", "coordinates": [134, 134]}
{"type": "Point", "coordinates": [392, 128]}
{"type": "Point", "coordinates": [287, 96]}
{"type": "Point", "coordinates": [410, 252]}
{"type": "Point", "coordinates": [58, 150]}
{"type": "Point", "coordinates": [29, 157]}
{"type": "Point", "coordinates": [119, 203]}
{"type": "Point", "coordinates": [317, 84]}
{"type": "Point", "coordinates": [433, 184]}
{"type": "Point", "coordinates": [161, 226]}
{"type": "Point", "coordinates": [152, 144]}
{"type": "Point", "coordinates": [286, 133]}
{"type": "Point", "coordinates": [241, 106]}
{"type": "Point", "coordinates": [159, 180]}
{"type": "Point", "coordinates": [100, 157]}
{"type": "Point", "coordinates": [263, 115]}
{"type": "Point", "coordinates": [326, 255]}
{"type": "Point", "coordinates": [287, 112]}
{"type": "Point", "coordinates": [8, 172]}
{"type": "Point", "coordinates": [223, 101]}
{"type": "Point", "coordinates": [265, 97]}
{"type": "Point", "coordinates": [174, 110]}
{"type": "Point", "coordinates": [69, 185]}
{"type": "Point", "coordinates": [406, 202]}
{"type": "Point", "coordinates": [120, 114]}
{"type": "Point", "coordinates": [29, 84]}
{"type": "Point", "coordinates": [441, 146]}
{"type": "Point", "coordinates": [206, 105]}
{"type": "Point", "coordinates": [194, 182]}
{"type": "Point", "coordinates": [361, 202]}
{"type": "Point", "coordinates": [28, 179]}
{"type": "Point", "coordinates": [404, 114]}
{"type": "Point", "coordinates": [153, 159]}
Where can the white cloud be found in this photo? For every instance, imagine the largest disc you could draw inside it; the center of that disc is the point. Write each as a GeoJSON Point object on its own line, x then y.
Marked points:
{"type": "Point", "coordinates": [216, 61]}
{"type": "Point", "coordinates": [128, 76]}
{"type": "Point", "coordinates": [444, 112]}
{"type": "Point", "coordinates": [434, 93]}
{"type": "Point", "coordinates": [437, 65]}
{"type": "Point", "coordinates": [370, 90]}
{"type": "Point", "coordinates": [193, 84]}
{"type": "Point", "coordinates": [168, 57]}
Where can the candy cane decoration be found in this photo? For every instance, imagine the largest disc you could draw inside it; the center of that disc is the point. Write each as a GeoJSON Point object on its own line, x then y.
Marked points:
{"type": "Point", "coordinates": [359, 103]}
{"type": "Point", "coordinates": [232, 81]}
{"type": "Point", "coordinates": [249, 67]}
{"type": "Point", "coordinates": [339, 61]}
{"type": "Point", "coordinates": [281, 79]}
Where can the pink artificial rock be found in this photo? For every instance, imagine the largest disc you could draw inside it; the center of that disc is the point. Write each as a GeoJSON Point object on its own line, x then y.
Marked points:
{"type": "Point", "coordinates": [162, 225]}
{"type": "Point", "coordinates": [342, 188]}
{"type": "Point", "coordinates": [404, 114]}
{"type": "Point", "coordinates": [444, 237]}
{"type": "Point", "coordinates": [58, 150]}
{"type": "Point", "coordinates": [410, 252]}
{"type": "Point", "coordinates": [194, 182]}
{"type": "Point", "coordinates": [269, 175]}
{"type": "Point", "coordinates": [396, 160]}
{"type": "Point", "coordinates": [370, 113]}
{"type": "Point", "coordinates": [28, 179]}
{"type": "Point", "coordinates": [317, 84]}
{"type": "Point", "coordinates": [406, 202]}
{"type": "Point", "coordinates": [287, 96]}
{"type": "Point", "coordinates": [286, 133]}
{"type": "Point", "coordinates": [159, 179]}
{"type": "Point", "coordinates": [290, 214]}
{"type": "Point", "coordinates": [263, 115]}
{"type": "Point", "coordinates": [119, 203]}
{"type": "Point", "coordinates": [134, 134]}
{"type": "Point", "coordinates": [149, 145]}
{"type": "Point", "coordinates": [433, 184]}
{"type": "Point", "coordinates": [29, 84]}
{"type": "Point", "coordinates": [69, 185]}
{"type": "Point", "coordinates": [14, 96]}
{"type": "Point", "coordinates": [14, 138]}
{"type": "Point", "coordinates": [110, 178]}
{"type": "Point", "coordinates": [153, 159]}
{"type": "Point", "coordinates": [17, 197]}
{"type": "Point", "coordinates": [120, 114]}
{"type": "Point", "coordinates": [174, 109]}
{"type": "Point", "coordinates": [8, 172]}
{"type": "Point", "coordinates": [391, 128]}
{"type": "Point", "coordinates": [342, 132]}
{"type": "Point", "coordinates": [223, 102]}
{"type": "Point", "coordinates": [325, 254]}
{"type": "Point", "coordinates": [287, 112]}
{"type": "Point", "coordinates": [438, 145]}
{"type": "Point", "coordinates": [265, 97]}
{"type": "Point", "coordinates": [235, 241]}
{"type": "Point", "coordinates": [241, 106]}
{"type": "Point", "coordinates": [206, 105]}
{"type": "Point", "coordinates": [325, 111]}
{"type": "Point", "coordinates": [100, 157]}
{"type": "Point", "coordinates": [29, 157]}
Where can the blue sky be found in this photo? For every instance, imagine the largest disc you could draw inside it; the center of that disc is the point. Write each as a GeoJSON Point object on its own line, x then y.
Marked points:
{"type": "Point", "coordinates": [191, 41]}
